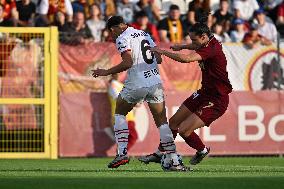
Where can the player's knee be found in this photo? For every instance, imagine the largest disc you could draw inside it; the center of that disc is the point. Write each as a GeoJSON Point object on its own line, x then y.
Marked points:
{"type": "Point", "coordinates": [184, 132]}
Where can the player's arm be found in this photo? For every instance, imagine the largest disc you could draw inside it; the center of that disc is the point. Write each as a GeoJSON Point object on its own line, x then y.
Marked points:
{"type": "Point", "coordinates": [179, 47]}
{"type": "Point", "coordinates": [124, 65]}
{"type": "Point", "coordinates": [158, 58]}
{"type": "Point", "coordinates": [183, 58]}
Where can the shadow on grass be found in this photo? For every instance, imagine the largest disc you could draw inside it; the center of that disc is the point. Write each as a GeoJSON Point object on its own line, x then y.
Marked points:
{"type": "Point", "coordinates": [139, 183]}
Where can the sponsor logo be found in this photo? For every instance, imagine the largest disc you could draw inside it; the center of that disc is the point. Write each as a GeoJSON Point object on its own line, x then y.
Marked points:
{"type": "Point", "coordinates": [195, 94]}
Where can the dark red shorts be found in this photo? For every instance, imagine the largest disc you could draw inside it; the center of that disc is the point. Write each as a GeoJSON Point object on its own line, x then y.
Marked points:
{"type": "Point", "coordinates": [208, 108]}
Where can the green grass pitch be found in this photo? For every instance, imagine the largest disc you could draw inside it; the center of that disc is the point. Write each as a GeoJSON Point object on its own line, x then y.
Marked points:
{"type": "Point", "coordinates": [217, 172]}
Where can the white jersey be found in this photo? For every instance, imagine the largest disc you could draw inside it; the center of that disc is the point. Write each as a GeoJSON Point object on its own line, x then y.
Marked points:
{"type": "Point", "coordinates": [144, 71]}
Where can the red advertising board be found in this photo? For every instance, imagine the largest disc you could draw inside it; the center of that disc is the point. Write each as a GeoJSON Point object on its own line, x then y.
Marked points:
{"type": "Point", "coordinates": [253, 124]}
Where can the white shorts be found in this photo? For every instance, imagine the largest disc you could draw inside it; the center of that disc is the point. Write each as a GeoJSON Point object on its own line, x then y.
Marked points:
{"type": "Point", "coordinates": [153, 94]}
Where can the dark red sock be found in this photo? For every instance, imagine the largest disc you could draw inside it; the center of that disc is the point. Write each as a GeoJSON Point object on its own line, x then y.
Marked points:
{"type": "Point", "coordinates": [194, 141]}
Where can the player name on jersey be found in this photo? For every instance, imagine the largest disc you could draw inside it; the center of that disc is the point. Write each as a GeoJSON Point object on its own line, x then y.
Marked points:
{"type": "Point", "coordinates": [144, 71]}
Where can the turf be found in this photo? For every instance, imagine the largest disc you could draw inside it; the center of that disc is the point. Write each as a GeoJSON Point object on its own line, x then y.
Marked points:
{"type": "Point", "coordinates": [239, 173]}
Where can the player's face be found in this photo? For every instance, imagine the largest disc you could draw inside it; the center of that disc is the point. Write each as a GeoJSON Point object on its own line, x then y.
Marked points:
{"type": "Point", "coordinates": [114, 32]}
{"type": "Point", "coordinates": [198, 40]}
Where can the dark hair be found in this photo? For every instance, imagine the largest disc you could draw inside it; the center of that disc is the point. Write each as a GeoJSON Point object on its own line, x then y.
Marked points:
{"type": "Point", "coordinates": [174, 7]}
{"type": "Point", "coordinates": [200, 28]}
{"type": "Point", "coordinates": [114, 21]}
{"type": "Point", "coordinates": [140, 14]}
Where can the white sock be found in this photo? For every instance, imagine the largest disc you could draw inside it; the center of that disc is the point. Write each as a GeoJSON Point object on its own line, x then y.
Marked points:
{"type": "Point", "coordinates": [204, 150]}
{"type": "Point", "coordinates": [167, 140]}
{"type": "Point", "coordinates": [121, 134]}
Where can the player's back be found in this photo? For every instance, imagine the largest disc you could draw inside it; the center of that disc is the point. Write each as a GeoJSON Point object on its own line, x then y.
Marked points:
{"type": "Point", "coordinates": [144, 71]}
{"type": "Point", "coordinates": [214, 68]}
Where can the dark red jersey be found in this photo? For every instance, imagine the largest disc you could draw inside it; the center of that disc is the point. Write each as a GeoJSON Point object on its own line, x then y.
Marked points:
{"type": "Point", "coordinates": [215, 79]}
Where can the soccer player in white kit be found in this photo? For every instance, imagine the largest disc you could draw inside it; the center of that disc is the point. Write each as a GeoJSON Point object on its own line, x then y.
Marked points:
{"type": "Point", "coordinates": [143, 83]}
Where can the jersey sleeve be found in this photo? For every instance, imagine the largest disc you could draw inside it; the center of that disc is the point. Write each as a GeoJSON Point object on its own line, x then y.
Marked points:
{"type": "Point", "coordinates": [123, 45]}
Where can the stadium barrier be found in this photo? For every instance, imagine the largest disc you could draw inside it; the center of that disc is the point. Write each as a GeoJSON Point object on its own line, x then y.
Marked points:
{"type": "Point", "coordinates": [28, 87]}
{"type": "Point", "coordinates": [253, 123]}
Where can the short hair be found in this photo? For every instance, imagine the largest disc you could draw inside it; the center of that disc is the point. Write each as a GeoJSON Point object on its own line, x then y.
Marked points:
{"type": "Point", "coordinates": [174, 7]}
{"type": "Point", "coordinates": [200, 28]}
{"type": "Point", "coordinates": [140, 14]}
{"type": "Point", "coordinates": [114, 21]}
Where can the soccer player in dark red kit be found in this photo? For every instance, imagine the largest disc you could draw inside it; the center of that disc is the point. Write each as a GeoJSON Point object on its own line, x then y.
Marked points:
{"type": "Point", "coordinates": [206, 104]}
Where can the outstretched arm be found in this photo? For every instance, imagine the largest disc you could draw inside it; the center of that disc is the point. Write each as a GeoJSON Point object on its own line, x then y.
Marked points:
{"type": "Point", "coordinates": [183, 58]}
{"type": "Point", "coordinates": [179, 47]}
{"type": "Point", "coordinates": [124, 65]}
{"type": "Point", "coordinates": [158, 58]}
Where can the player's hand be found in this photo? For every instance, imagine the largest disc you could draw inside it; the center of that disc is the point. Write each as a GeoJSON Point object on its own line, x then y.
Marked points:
{"type": "Point", "coordinates": [99, 72]}
{"type": "Point", "coordinates": [176, 48]}
{"type": "Point", "coordinates": [157, 50]}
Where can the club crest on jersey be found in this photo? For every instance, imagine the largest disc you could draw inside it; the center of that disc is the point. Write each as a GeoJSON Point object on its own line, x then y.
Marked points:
{"type": "Point", "coordinates": [195, 94]}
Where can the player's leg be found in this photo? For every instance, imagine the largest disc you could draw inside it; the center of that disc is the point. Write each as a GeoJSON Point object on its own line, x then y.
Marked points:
{"type": "Point", "coordinates": [121, 131]}
{"type": "Point", "coordinates": [174, 121]}
{"type": "Point", "coordinates": [182, 113]}
{"type": "Point", "coordinates": [157, 107]}
{"type": "Point", "coordinates": [209, 109]}
{"type": "Point", "coordinates": [186, 131]}
{"type": "Point", "coordinates": [156, 103]}
{"type": "Point", "coordinates": [158, 111]}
